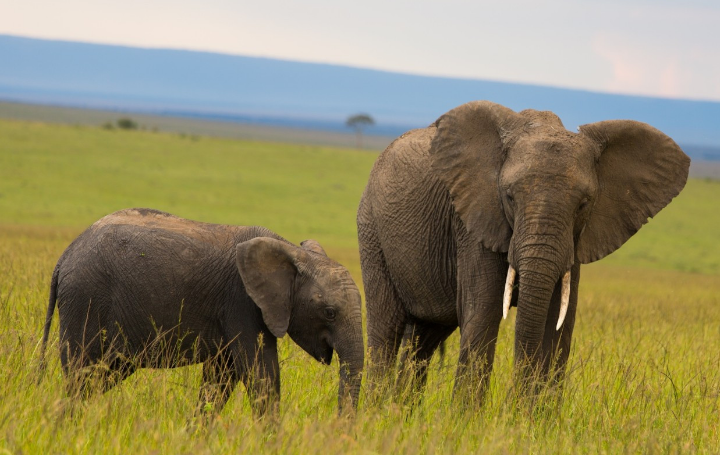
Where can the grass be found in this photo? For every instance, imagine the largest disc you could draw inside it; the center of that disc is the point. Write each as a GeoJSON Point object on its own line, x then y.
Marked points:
{"type": "Point", "coordinates": [683, 236]}
{"type": "Point", "coordinates": [644, 372]}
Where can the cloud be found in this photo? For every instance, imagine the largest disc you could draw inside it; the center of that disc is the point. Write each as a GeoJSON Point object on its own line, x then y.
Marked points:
{"type": "Point", "coordinates": [661, 48]}
{"type": "Point", "coordinates": [665, 67]}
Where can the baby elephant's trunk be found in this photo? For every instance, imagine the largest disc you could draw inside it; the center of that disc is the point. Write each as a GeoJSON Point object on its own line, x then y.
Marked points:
{"type": "Point", "coordinates": [351, 354]}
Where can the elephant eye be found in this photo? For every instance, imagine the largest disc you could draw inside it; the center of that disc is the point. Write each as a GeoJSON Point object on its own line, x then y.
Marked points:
{"type": "Point", "coordinates": [329, 313]}
{"type": "Point", "coordinates": [583, 204]}
{"type": "Point", "coordinates": [510, 198]}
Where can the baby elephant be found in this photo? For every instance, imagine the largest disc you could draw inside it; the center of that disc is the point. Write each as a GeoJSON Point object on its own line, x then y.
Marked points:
{"type": "Point", "coordinates": [143, 288]}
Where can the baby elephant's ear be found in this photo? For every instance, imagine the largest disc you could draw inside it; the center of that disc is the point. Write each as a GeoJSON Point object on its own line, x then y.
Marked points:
{"type": "Point", "coordinates": [268, 268]}
{"type": "Point", "coordinates": [313, 245]}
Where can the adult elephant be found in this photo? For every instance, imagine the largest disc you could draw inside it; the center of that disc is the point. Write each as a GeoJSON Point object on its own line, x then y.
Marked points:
{"type": "Point", "coordinates": [455, 214]}
{"type": "Point", "coordinates": [143, 288]}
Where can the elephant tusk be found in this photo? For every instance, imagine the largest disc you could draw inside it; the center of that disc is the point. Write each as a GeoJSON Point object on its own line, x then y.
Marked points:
{"type": "Point", "coordinates": [565, 302]}
{"type": "Point", "coordinates": [508, 291]}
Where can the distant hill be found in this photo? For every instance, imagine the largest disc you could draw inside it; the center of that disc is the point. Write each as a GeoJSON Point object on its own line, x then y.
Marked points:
{"type": "Point", "coordinates": [315, 96]}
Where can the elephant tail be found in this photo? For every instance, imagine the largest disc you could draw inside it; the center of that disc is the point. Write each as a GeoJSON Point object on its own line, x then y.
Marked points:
{"type": "Point", "coordinates": [48, 321]}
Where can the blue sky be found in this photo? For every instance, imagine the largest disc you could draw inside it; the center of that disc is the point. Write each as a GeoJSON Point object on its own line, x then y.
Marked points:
{"type": "Point", "coordinates": [647, 47]}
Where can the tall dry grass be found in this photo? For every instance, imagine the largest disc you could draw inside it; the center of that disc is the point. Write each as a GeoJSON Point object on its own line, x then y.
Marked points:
{"type": "Point", "coordinates": [644, 374]}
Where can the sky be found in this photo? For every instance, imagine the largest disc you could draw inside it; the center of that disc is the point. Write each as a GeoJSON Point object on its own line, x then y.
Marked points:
{"type": "Point", "coordinates": [667, 48]}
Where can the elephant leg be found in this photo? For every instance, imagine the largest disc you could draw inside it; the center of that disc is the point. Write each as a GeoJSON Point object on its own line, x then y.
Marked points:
{"type": "Point", "coordinates": [419, 343]}
{"type": "Point", "coordinates": [557, 343]}
{"type": "Point", "coordinates": [385, 325]}
{"type": "Point", "coordinates": [478, 338]}
{"type": "Point", "coordinates": [98, 377]}
{"type": "Point", "coordinates": [261, 374]}
{"type": "Point", "coordinates": [386, 315]}
{"type": "Point", "coordinates": [92, 365]}
{"type": "Point", "coordinates": [77, 367]}
{"type": "Point", "coordinates": [218, 382]}
{"type": "Point", "coordinates": [481, 279]}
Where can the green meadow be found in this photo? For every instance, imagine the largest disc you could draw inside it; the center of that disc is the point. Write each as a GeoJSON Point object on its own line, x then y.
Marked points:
{"type": "Point", "coordinates": [644, 374]}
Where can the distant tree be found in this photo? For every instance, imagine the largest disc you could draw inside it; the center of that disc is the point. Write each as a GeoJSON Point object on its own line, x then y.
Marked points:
{"type": "Point", "coordinates": [126, 123]}
{"type": "Point", "coordinates": [359, 122]}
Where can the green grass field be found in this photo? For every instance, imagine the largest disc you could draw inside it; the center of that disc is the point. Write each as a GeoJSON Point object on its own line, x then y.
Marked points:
{"type": "Point", "coordinates": [644, 374]}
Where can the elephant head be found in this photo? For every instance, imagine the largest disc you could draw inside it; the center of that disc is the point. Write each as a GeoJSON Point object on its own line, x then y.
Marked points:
{"type": "Point", "coordinates": [302, 292]}
{"type": "Point", "coordinates": [550, 198]}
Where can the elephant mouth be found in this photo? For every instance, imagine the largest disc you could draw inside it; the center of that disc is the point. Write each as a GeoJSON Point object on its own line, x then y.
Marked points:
{"type": "Point", "coordinates": [325, 354]}
{"type": "Point", "coordinates": [564, 296]}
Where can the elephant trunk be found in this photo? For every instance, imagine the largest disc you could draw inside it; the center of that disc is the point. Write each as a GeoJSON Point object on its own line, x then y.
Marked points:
{"type": "Point", "coordinates": [536, 290]}
{"type": "Point", "coordinates": [351, 356]}
{"type": "Point", "coordinates": [541, 260]}
{"type": "Point", "coordinates": [565, 295]}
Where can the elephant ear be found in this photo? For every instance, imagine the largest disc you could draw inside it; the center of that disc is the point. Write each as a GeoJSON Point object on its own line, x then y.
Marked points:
{"type": "Point", "coordinates": [268, 268]}
{"type": "Point", "coordinates": [640, 170]}
{"type": "Point", "coordinates": [467, 154]}
{"type": "Point", "coordinates": [314, 246]}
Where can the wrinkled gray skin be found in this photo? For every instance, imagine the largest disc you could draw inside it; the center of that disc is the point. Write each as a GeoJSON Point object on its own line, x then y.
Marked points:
{"type": "Point", "coordinates": [448, 207]}
{"type": "Point", "coordinates": [143, 288]}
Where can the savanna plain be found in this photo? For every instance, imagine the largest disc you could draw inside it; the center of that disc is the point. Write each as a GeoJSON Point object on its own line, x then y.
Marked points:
{"type": "Point", "coordinates": [643, 376]}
